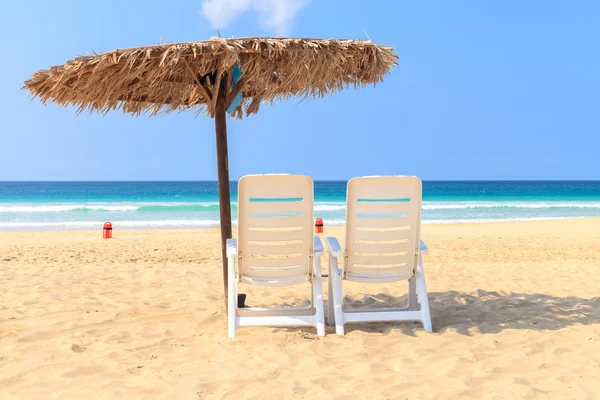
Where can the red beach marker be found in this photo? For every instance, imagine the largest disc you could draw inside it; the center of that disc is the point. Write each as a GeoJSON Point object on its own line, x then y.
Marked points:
{"type": "Point", "coordinates": [319, 225]}
{"type": "Point", "coordinates": [107, 231]}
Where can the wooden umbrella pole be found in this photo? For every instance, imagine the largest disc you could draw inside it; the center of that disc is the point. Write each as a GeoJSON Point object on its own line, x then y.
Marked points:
{"type": "Point", "coordinates": [223, 172]}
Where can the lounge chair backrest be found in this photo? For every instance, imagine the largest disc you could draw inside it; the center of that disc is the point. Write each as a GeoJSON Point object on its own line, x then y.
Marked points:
{"type": "Point", "coordinates": [275, 238]}
{"type": "Point", "coordinates": [383, 216]}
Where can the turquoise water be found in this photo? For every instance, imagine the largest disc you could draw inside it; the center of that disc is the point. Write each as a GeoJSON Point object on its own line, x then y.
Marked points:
{"type": "Point", "coordinates": [142, 205]}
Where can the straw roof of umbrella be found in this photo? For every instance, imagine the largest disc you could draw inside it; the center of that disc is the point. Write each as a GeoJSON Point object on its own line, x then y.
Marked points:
{"type": "Point", "coordinates": [180, 76]}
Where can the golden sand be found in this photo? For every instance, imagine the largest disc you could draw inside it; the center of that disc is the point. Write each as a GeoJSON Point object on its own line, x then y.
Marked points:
{"type": "Point", "coordinates": [515, 311]}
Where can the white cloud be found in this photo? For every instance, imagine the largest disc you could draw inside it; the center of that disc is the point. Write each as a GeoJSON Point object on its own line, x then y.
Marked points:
{"type": "Point", "coordinates": [277, 15]}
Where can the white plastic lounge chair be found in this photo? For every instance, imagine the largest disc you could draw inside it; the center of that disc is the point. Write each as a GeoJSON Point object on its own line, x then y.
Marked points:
{"type": "Point", "coordinates": [383, 220]}
{"type": "Point", "coordinates": [275, 247]}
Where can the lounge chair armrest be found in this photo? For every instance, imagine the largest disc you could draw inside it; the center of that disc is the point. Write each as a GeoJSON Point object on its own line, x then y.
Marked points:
{"type": "Point", "coordinates": [334, 247]}
{"type": "Point", "coordinates": [423, 249]}
{"type": "Point", "coordinates": [232, 248]}
{"type": "Point", "coordinates": [318, 246]}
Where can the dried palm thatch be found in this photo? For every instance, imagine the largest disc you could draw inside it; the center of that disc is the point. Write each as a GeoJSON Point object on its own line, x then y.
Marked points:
{"type": "Point", "coordinates": [175, 77]}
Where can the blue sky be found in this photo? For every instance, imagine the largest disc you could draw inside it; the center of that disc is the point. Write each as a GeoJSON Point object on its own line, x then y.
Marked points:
{"type": "Point", "coordinates": [483, 90]}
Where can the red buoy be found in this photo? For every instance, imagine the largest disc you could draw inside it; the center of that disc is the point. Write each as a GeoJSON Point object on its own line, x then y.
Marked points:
{"type": "Point", "coordinates": [319, 225]}
{"type": "Point", "coordinates": [107, 231]}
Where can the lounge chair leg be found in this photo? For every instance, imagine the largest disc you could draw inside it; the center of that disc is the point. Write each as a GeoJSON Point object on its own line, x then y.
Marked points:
{"type": "Point", "coordinates": [338, 295]}
{"type": "Point", "coordinates": [412, 294]}
{"type": "Point", "coordinates": [318, 296]}
{"type": "Point", "coordinates": [232, 298]}
{"type": "Point", "coordinates": [423, 299]}
{"type": "Point", "coordinates": [330, 315]}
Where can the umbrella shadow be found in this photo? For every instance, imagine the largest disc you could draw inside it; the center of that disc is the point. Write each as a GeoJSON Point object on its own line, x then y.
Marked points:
{"type": "Point", "coordinates": [487, 312]}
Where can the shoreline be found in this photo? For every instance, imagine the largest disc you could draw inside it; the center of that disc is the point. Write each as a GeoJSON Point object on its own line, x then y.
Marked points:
{"type": "Point", "coordinates": [216, 227]}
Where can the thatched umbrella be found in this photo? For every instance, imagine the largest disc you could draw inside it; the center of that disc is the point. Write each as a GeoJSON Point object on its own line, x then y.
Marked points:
{"type": "Point", "coordinates": [205, 76]}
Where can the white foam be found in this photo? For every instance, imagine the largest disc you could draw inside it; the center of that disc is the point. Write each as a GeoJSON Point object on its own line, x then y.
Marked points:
{"type": "Point", "coordinates": [321, 206]}
{"type": "Point", "coordinates": [115, 207]}
{"type": "Point", "coordinates": [326, 207]}
{"type": "Point", "coordinates": [163, 224]}
{"type": "Point", "coordinates": [484, 220]}
{"type": "Point", "coordinates": [334, 222]}
{"type": "Point", "coordinates": [109, 208]}
{"type": "Point", "coordinates": [428, 205]}
{"type": "Point", "coordinates": [532, 205]}
{"type": "Point", "coordinates": [65, 207]}
{"type": "Point", "coordinates": [116, 224]}
{"type": "Point", "coordinates": [341, 222]}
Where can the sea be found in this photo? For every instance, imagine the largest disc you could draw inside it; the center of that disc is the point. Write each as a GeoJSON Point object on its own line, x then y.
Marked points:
{"type": "Point", "coordinates": [35, 206]}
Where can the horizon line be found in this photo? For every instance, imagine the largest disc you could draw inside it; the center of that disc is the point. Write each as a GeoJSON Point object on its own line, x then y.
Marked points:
{"type": "Point", "coordinates": [315, 180]}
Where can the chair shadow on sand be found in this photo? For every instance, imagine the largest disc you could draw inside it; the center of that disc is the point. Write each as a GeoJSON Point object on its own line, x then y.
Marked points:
{"type": "Point", "coordinates": [490, 312]}
{"type": "Point", "coordinates": [483, 311]}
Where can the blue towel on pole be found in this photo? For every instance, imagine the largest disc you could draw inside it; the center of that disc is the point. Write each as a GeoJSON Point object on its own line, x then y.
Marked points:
{"type": "Point", "coordinates": [236, 74]}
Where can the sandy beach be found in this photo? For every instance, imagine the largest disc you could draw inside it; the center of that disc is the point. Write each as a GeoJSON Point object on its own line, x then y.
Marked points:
{"type": "Point", "coordinates": [515, 310]}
